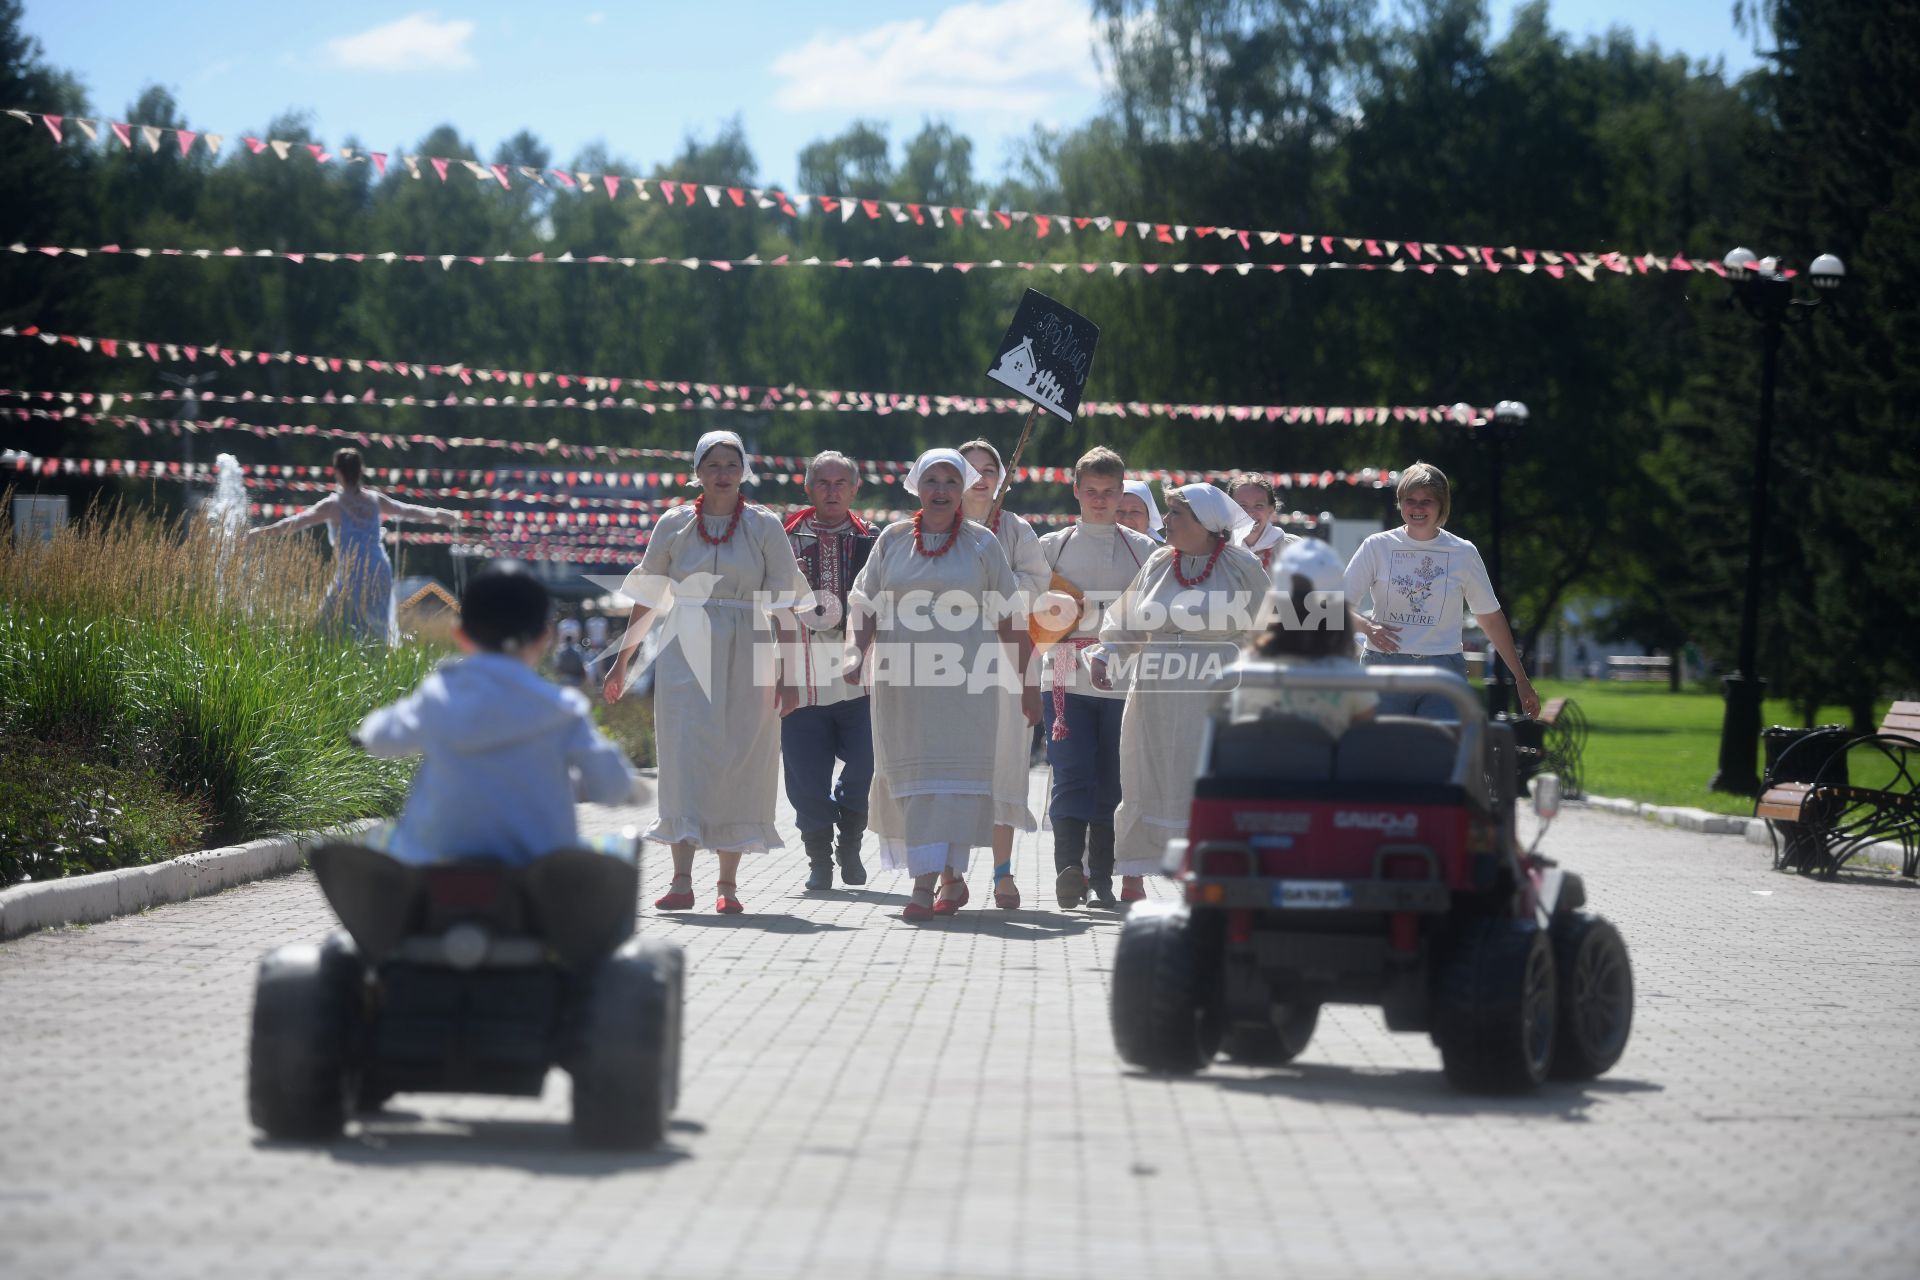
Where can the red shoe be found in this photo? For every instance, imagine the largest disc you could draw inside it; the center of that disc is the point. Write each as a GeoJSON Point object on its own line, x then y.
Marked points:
{"type": "Point", "coordinates": [726, 904]}
{"type": "Point", "coordinates": [1131, 890]}
{"type": "Point", "coordinates": [677, 900]}
{"type": "Point", "coordinates": [915, 912]}
{"type": "Point", "coordinates": [945, 906]}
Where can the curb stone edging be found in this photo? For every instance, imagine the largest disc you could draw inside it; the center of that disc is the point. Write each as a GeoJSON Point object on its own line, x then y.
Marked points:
{"type": "Point", "coordinates": [1720, 824]}
{"type": "Point", "coordinates": [49, 904]}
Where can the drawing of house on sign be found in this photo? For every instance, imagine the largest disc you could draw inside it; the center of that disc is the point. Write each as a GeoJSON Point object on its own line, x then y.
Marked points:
{"type": "Point", "coordinates": [1016, 367]}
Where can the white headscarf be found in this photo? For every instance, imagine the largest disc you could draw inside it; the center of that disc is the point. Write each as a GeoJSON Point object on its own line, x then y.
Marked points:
{"type": "Point", "coordinates": [1144, 491]}
{"type": "Point", "coordinates": [999, 462]}
{"type": "Point", "coordinates": [1214, 509]}
{"type": "Point", "coordinates": [949, 456]}
{"type": "Point", "coordinates": [713, 438]}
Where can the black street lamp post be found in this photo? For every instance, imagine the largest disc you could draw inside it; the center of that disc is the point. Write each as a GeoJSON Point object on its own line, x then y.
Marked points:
{"type": "Point", "coordinates": [1766, 293]}
{"type": "Point", "coordinates": [1504, 427]}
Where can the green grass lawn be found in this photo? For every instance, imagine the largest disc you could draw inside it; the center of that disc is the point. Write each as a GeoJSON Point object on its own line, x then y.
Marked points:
{"type": "Point", "coordinates": [1649, 744]}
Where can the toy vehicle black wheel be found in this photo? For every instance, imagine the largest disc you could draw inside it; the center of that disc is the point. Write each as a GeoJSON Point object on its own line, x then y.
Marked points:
{"type": "Point", "coordinates": [306, 1007]}
{"type": "Point", "coordinates": [1161, 1009]}
{"type": "Point", "coordinates": [1273, 1046]}
{"type": "Point", "coordinates": [1494, 1004]}
{"type": "Point", "coordinates": [1595, 982]}
{"type": "Point", "coordinates": [624, 1069]}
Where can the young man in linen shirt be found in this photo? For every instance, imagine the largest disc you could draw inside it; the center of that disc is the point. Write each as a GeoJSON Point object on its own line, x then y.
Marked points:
{"type": "Point", "coordinates": [1099, 557]}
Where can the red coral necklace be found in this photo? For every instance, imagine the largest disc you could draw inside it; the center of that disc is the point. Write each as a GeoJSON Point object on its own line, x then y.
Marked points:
{"type": "Point", "coordinates": [1205, 573]}
{"type": "Point", "coordinates": [700, 521]}
{"type": "Point", "coordinates": [920, 545]}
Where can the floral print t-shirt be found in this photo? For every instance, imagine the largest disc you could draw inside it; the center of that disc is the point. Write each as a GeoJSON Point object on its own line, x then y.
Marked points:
{"type": "Point", "coordinates": [1423, 588]}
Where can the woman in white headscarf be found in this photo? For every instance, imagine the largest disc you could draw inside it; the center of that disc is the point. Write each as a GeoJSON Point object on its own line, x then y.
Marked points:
{"type": "Point", "coordinates": [1184, 619]}
{"type": "Point", "coordinates": [1139, 512]}
{"type": "Point", "coordinates": [718, 722]}
{"type": "Point", "coordinates": [1013, 745]}
{"type": "Point", "coordinates": [924, 597]}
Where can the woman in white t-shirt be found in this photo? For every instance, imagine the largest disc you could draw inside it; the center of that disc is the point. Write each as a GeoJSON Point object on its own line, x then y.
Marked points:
{"type": "Point", "coordinates": [1423, 580]}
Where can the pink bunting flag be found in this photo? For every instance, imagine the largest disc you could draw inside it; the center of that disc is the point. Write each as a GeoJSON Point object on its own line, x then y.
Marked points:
{"type": "Point", "coordinates": [613, 185]}
{"type": "Point", "coordinates": [122, 132]}
{"type": "Point", "coordinates": [185, 138]}
{"type": "Point", "coordinates": [439, 167]}
{"type": "Point", "coordinates": [253, 144]}
{"type": "Point", "coordinates": [500, 175]}
{"type": "Point", "coordinates": [53, 126]}
{"type": "Point", "coordinates": [318, 152]}
{"type": "Point", "coordinates": [380, 162]}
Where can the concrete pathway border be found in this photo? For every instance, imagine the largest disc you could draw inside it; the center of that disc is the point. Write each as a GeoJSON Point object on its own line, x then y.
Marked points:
{"type": "Point", "coordinates": [1884, 854]}
{"type": "Point", "coordinates": [49, 904]}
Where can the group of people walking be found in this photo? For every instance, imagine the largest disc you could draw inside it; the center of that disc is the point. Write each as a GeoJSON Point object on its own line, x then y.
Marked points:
{"type": "Point", "coordinates": [891, 671]}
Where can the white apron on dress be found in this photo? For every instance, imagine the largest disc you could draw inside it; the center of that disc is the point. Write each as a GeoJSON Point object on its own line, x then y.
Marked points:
{"type": "Point", "coordinates": [1160, 730]}
{"type": "Point", "coordinates": [719, 739]}
{"type": "Point", "coordinates": [933, 744]}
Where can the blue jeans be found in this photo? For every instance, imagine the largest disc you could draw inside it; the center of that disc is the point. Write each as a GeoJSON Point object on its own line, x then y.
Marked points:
{"type": "Point", "coordinates": [1086, 764]}
{"type": "Point", "coordinates": [1424, 705]}
{"type": "Point", "coordinates": [811, 738]}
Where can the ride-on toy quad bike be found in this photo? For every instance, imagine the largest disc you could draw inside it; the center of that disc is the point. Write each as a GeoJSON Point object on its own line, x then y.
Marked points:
{"type": "Point", "coordinates": [1381, 868]}
{"type": "Point", "coordinates": [471, 977]}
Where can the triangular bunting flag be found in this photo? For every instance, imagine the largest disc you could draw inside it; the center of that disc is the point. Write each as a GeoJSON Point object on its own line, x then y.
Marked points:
{"type": "Point", "coordinates": [185, 138]}
{"type": "Point", "coordinates": [152, 135]}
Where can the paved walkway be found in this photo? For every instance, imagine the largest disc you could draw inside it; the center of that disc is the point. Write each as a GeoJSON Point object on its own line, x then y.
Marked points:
{"type": "Point", "coordinates": [865, 1098]}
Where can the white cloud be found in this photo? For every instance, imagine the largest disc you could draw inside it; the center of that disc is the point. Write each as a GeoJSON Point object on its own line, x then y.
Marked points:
{"type": "Point", "coordinates": [1014, 56]}
{"type": "Point", "coordinates": [418, 42]}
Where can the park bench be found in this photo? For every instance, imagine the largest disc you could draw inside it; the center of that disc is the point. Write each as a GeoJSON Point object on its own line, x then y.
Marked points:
{"type": "Point", "coordinates": [1630, 667]}
{"type": "Point", "coordinates": [1817, 825]}
{"type": "Point", "coordinates": [1564, 744]}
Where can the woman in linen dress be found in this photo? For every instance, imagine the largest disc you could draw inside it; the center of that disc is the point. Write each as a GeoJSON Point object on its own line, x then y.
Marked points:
{"type": "Point", "coordinates": [934, 738]}
{"type": "Point", "coordinates": [360, 599]}
{"type": "Point", "coordinates": [1013, 743]}
{"type": "Point", "coordinates": [1199, 597]}
{"type": "Point", "coordinates": [716, 719]}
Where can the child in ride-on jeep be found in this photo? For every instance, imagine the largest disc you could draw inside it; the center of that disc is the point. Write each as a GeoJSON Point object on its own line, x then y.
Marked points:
{"type": "Point", "coordinates": [1313, 634]}
{"type": "Point", "coordinates": [506, 753]}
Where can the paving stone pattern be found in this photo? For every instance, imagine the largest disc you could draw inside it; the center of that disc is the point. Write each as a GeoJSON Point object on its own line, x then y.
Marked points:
{"type": "Point", "coordinates": [868, 1098]}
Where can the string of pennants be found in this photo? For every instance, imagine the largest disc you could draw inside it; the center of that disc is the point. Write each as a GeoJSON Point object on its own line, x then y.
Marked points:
{"type": "Point", "coordinates": [696, 395]}
{"type": "Point", "coordinates": [688, 195]}
{"type": "Point", "coordinates": [1617, 263]}
{"type": "Point", "coordinates": [480, 486]}
{"type": "Point", "coordinates": [783, 469]}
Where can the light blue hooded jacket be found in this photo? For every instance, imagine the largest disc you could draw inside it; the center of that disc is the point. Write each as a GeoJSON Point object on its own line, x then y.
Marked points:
{"type": "Point", "coordinates": [506, 754]}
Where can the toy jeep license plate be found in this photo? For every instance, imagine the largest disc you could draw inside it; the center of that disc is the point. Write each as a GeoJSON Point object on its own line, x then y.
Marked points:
{"type": "Point", "coordinates": [1307, 895]}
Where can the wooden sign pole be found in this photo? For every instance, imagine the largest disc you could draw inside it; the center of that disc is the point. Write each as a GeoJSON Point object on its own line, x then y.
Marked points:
{"type": "Point", "coordinates": [1006, 481]}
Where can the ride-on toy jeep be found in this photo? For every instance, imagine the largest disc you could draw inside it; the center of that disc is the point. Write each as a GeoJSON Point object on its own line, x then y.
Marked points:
{"type": "Point", "coordinates": [470, 977]}
{"type": "Point", "coordinates": [1379, 868]}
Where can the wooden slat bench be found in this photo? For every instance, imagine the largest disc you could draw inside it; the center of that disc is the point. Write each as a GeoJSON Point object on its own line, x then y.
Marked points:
{"type": "Point", "coordinates": [1629, 667]}
{"type": "Point", "coordinates": [1817, 826]}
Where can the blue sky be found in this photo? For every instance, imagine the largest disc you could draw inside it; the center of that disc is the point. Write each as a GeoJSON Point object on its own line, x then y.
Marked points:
{"type": "Point", "coordinates": [643, 76]}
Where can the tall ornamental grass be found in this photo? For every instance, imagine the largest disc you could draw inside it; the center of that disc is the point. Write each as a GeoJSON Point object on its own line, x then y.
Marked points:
{"type": "Point", "coordinates": [168, 652]}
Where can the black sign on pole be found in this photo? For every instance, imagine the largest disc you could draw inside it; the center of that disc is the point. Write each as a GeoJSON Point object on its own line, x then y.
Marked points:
{"type": "Point", "coordinates": [1046, 354]}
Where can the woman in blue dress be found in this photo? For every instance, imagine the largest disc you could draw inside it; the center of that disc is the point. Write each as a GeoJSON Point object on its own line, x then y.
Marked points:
{"type": "Point", "coordinates": [360, 600]}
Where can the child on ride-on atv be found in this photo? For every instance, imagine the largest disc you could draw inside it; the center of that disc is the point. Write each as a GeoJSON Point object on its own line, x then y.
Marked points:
{"type": "Point", "coordinates": [1313, 634]}
{"type": "Point", "coordinates": [506, 753]}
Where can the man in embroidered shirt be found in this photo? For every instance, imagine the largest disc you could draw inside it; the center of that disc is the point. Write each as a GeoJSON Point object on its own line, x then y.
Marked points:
{"type": "Point", "coordinates": [830, 719]}
{"type": "Point", "coordinates": [1099, 557]}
